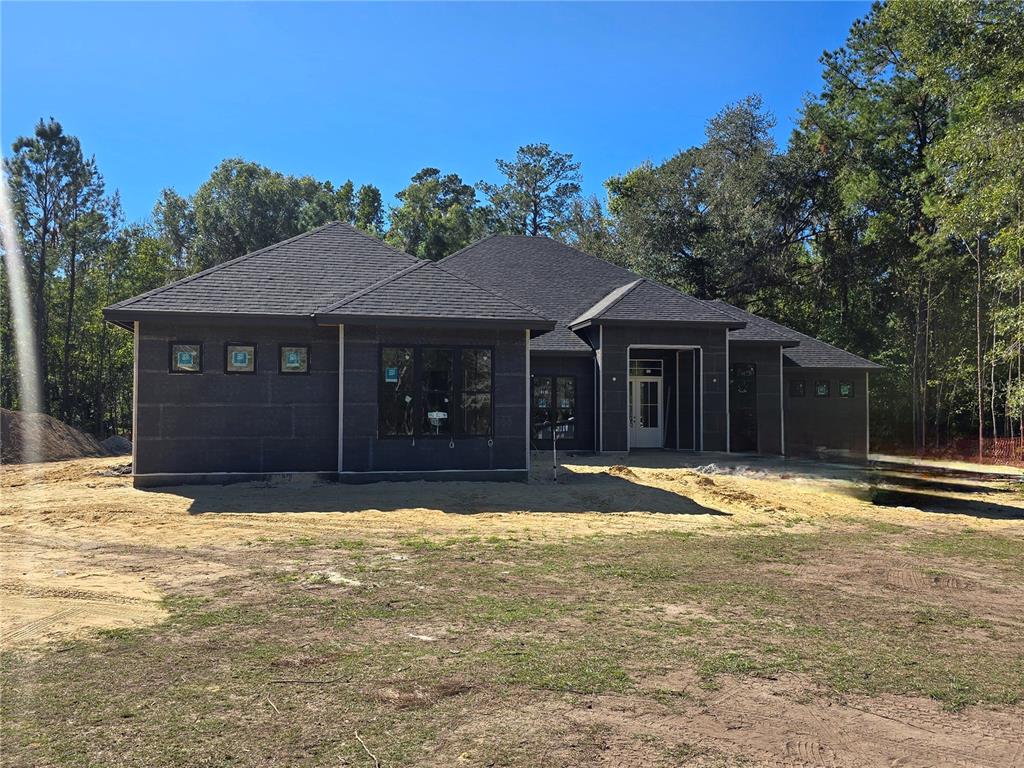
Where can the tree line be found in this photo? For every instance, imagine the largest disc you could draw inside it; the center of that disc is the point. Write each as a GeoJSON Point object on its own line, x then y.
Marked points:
{"type": "Point", "coordinates": [890, 224]}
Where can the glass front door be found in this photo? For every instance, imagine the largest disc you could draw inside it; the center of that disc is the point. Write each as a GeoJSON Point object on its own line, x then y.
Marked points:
{"type": "Point", "coordinates": [645, 420]}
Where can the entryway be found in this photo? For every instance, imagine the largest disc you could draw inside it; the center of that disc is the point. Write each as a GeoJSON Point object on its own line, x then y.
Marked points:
{"type": "Point", "coordinates": [646, 400]}
{"type": "Point", "coordinates": [743, 408]}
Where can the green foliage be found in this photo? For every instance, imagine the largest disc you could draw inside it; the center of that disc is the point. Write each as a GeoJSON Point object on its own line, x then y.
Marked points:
{"type": "Point", "coordinates": [891, 224]}
{"type": "Point", "coordinates": [438, 215]}
{"type": "Point", "coordinates": [538, 194]}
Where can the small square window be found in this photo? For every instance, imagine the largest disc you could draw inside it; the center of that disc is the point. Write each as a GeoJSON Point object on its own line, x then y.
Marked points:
{"type": "Point", "coordinates": [186, 357]}
{"type": "Point", "coordinates": [846, 389]}
{"type": "Point", "coordinates": [239, 358]}
{"type": "Point", "coordinates": [797, 387]}
{"type": "Point", "coordinates": [821, 389]}
{"type": "Point", "coordinates": [294, 359]}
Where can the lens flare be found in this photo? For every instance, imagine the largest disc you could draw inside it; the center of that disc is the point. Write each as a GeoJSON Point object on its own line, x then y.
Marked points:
{"type": "Point", "coordinates": [29, 387]}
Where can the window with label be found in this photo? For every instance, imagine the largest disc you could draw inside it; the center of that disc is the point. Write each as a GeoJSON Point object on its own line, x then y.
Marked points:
{"type": "Point", "coordinates": [554, 406]}
{"type": "Point", "coordinates": [436, 391]}
{"type": "Point", "coordinates": [846, 389]}
{"type": "Point", "coordinates": [397, 393]}
{"type": "Point", "coordinates": [239, 358]}
{"type": "Point", "coordinates": [186, 357]}
{"type": "Point", "coordinates": [438, 378]}
{"type": "Point", "coordinates": [821, 389]}
{"type": "Point", "coordinates": [294, 359]}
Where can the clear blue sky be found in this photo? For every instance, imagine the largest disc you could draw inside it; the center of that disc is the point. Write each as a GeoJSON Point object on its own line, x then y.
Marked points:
{"type": "Point", "coordinates": [162, 92]}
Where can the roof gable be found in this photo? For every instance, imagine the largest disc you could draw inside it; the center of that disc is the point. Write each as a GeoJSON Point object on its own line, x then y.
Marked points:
{"type": "Point", "coordinates": [293, 277]}
{"type": "Point", "coordinates": [645, 301]}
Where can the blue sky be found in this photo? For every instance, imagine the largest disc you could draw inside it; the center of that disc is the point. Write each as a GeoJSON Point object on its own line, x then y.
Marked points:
{"type": "Point", "coordinates": [162, 92]}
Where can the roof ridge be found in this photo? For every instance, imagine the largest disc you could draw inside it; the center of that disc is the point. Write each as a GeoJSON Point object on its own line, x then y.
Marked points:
{"type": "Point", "coordinates": [491, 291]}
{"type": "Point", "coordinates": [591, 314]}
{"type": "Point", "coordinates": [475, 243]}
{"type": "Point", "coordinates": [217, 267]}
{"type": "Point", "coordinates": [544, 237]}
{"type": "Point", "coordinates": [377, 240]}
{"type": "Point", "coordinates": [691, 297]}
{"type": "Point", "coordinates": [382, 282]}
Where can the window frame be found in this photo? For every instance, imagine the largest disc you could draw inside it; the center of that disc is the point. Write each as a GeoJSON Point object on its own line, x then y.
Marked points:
{"type": "Point", "coordinates": [851, 385]}
{"type": "Point", "coordinates": [170, 357]}
{"type": "Point", "coordinates": [255, 357]}
{"type": "Point", "coordinates": [419, 412]}
{"type": "Point", "coordinates": [309, 360]}
{"type": "Point", "coordinates": [828, 388]}
{"type": "Point", "coordinates": [803, 387]}
{"type": "Point", "coordinates": [554, 399]}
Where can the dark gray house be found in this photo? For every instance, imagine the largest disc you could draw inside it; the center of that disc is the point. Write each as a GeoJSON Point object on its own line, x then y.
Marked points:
{"type": "Point", "coordinates": [332, 353]}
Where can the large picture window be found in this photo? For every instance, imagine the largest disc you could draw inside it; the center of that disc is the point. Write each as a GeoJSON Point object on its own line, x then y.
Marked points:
{"type": "Point", "coordinates": [397, 393]}
{"type": "Point", "coordinates": [476, 391]}
{"type": "Point", "coordinates": [554, 403]}
{"type": "Point", "coordinates": [438, 380]}
{"type": "Point", "coordinates": [436, 391]}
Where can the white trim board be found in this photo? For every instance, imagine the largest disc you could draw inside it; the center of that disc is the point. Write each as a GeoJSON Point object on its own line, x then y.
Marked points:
{"type": "Point", "coordinates": [341, 396]}
{"type": "Point", "coordinates": [135, 391]}
{"type": "Point", "coordinates": [677, 348]}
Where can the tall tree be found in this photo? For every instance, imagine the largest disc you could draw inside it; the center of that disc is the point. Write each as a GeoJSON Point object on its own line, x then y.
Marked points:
{"type": "Point", "coordinates": [537, 197]}
{"type": "Point", "coordinates": [723, 219]}
{"type": "Point", "coordinates": [437, 216]}
{"type": "Point", "coordinates": [175, 221]}
{"type": "Point", "coordinates": [369, 215]}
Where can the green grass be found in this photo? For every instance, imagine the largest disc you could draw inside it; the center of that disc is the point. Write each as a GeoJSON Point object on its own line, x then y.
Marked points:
{"type": "Point", "coordinates": [513, 621]}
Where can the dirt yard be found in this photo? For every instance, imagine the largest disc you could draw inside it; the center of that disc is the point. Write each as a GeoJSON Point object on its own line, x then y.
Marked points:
{"type": "Point", "coordinates": [656, 614]}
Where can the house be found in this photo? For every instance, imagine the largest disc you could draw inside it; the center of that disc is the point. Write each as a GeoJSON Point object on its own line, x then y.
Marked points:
{"type": "Point", "coordinates": [332, 353]}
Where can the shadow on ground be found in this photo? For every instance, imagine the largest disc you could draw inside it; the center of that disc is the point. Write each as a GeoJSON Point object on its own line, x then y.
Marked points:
{"type": "Point", "coordinates": [950, 505]}
{"type": "Point", "coordinates": [575, 493]}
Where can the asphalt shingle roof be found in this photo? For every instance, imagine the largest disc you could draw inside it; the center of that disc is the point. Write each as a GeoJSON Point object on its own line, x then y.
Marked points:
{"type": "Point", "coordinates": [425, 290]}
{"type": "Point", "coordinates": [293, 277]}
{"type": "Point", "coordinates": [758, 329]}
{"type": "Point", "coordinates": [558, 280]}
{"type": "Point", "coordinates": [646, 301]}
{"type": "Point", "coordinates": [809, 352]}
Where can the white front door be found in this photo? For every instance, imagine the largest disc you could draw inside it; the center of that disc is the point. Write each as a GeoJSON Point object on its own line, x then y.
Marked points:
{"type": "Point", "coordinates": [645, 420]}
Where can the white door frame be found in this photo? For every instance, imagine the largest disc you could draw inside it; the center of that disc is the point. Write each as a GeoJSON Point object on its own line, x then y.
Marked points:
{"type": "Point", "coordinates": [635, 385]}
{"type": "Point", "coordinates": [698, 429]}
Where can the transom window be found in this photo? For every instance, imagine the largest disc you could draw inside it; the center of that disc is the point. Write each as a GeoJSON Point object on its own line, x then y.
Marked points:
{"type": "Point", "coordinates": [646, 367]}
{"type": "Point", "coordinates": [435, 391]}
{"type": "Point", "coordinates": [554, 406]}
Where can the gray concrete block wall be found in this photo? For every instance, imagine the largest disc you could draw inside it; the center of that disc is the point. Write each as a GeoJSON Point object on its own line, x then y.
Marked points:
{"type": "Point", "coordinates": [213, 422]}
{"type": "Point", "coordinates": [364, 451]}
{"type": "Point", "coordinates": [767, 360]}
{"type": "Point", "coordinates": [615, 372]}
{"type": "Point", "coordinates": [817, 425]}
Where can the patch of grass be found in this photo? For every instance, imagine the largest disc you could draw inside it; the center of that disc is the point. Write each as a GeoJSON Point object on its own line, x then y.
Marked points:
{"type": "Point", "coordinates": [974, 546]}
{"type": "Point", "coordinates": [353, 545]}
{"type": "Point", "coordinates": [555, 666]}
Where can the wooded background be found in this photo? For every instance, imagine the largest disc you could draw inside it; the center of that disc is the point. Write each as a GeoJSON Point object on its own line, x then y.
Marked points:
{"type": "Point", "coordinates": [890, 225]}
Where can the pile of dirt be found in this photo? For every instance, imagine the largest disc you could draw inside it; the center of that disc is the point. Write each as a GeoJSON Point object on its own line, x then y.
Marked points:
{"type": "Point", "coordinates": [56, 440]}
{"type": "Point", "coordinates": [117, 445]}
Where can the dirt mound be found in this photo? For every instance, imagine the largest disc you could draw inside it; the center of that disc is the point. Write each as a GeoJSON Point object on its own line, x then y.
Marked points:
{"type": "Point", "coordinates": [618, 470]}
{"type": "Point", "coordinates": [117, 445]}
{"type": "Point", "coordinates": [57, 440]}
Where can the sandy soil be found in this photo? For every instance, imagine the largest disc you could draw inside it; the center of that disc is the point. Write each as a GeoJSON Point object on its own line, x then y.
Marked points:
{"type": "Point", "coordinates": [76, 538]}
{"type": "Point", "coordinates": [62, 523]}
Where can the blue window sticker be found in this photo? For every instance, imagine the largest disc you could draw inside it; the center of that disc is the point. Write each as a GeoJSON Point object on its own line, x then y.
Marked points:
{"type": "Point", "coordinates": [240, 358]}
{"type": "Point", "coordinates": [391, 375]}
{"type": "Point", "coordinates": [186, 359]}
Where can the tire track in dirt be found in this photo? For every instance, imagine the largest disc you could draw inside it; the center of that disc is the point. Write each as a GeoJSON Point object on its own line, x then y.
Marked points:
{"type": "Point", "coordinates": [787, 724]}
